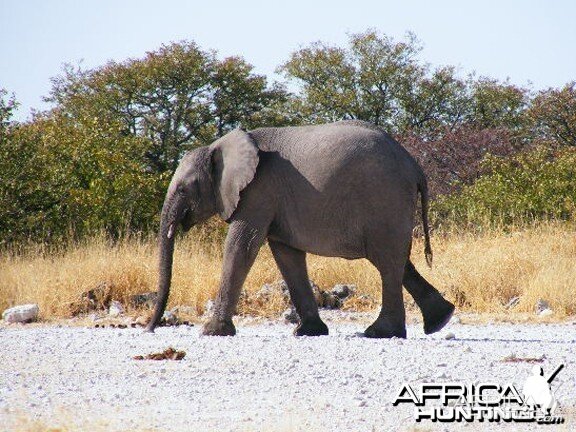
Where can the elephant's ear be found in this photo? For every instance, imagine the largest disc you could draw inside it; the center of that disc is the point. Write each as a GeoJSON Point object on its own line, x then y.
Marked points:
{"type": "Point", "coordinates": [235, 158]}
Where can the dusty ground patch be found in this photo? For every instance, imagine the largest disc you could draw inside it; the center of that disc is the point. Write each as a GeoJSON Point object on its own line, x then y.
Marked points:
{"type": "Point", "coordinates": [262, 379]}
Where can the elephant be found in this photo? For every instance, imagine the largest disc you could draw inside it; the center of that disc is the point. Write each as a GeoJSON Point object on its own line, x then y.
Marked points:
{"type": "Point", "coordinates": [345, 189]}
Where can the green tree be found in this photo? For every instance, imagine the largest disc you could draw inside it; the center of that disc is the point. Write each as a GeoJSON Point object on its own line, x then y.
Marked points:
{"type": "Point", "coordinates": [8, 105]}
{"type": "Point", "coordinates": [435, 104]}
{"type": "Point", "coordinates": [176, 97]}
{"type": "Point", "coordinates": [62, 176]}
{"type": "Point", "coordinates": [102, 157]}
{"type": "Point", "coordinates": [365, 81]}
{"type": "Point", "coordinates": [498, 104]}
{"type": "Point", "coordinates": [380, 80]}
{"type": "Point", "coordinates": [553, 115]}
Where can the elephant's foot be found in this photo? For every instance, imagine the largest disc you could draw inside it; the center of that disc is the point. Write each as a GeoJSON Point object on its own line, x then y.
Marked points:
{"type": "Point", "coordinates": [386, 328]}
{"type": "Point", "coordinates": [313, 327]}
{"type": "Point", "coordinates": [436, 311]}
{"type": "Point", "coordinates": [216, 327]}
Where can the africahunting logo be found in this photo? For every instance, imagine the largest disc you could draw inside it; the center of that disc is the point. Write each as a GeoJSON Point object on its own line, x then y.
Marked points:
{"type": "Point", "coordinates": [457, 402]}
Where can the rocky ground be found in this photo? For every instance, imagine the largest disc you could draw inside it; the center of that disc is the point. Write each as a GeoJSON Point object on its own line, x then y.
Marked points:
{"type": "Point", "coordinates": [81, 378]}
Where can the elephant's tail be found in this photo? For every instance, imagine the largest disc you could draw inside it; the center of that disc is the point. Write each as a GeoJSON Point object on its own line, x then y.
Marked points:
{"type": "Point", "coordinates": [423, 189]}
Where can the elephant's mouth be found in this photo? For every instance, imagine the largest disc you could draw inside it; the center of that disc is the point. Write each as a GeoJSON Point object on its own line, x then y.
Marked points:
{"type": "Point", "coordinates": [187, 219]}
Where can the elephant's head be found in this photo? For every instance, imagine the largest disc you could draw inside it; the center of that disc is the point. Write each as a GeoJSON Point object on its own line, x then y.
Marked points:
{"type": "Point", "coordinates": [208, 181]}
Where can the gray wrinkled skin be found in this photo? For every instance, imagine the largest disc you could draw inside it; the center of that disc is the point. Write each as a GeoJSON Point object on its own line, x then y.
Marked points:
{"type": "Point", "coordinates": [345, 189]}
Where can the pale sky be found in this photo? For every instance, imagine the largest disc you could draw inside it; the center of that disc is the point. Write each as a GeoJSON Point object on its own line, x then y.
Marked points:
{"type": "Point", "coordinates": [524, 40]}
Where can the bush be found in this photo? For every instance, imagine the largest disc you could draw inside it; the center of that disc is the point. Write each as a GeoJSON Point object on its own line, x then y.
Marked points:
{"type": "Point", "coordinates": [455, 159]}
{"type": "Point", "coordinates": [535, 185]}
{"type": "Point", "coordinates": [62, 177]}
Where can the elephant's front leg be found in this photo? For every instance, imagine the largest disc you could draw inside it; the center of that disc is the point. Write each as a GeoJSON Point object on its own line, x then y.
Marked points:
{"type": "Point", "coordinates": [242, 245]}
{"type": "Point", "coordinates": [292, 265]}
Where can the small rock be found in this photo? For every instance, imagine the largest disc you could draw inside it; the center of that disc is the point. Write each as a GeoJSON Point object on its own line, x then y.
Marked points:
{"type": "Point", "coordinates": [147, 299]}
{"type": "Point", "coordinates": [94, 317]}
{"type": "Point", "coordinates": [512, 302]}
{"type": "Point", "coordinates": [449, 336]}
{"type": "Point", "coordinates": [266, 291]}
{"type": "Point", "coordinates": [284, 289]}
{"type": "Point", "coordinates": [291, 316]}
{"type": "Point", "coordinates": [116, 309]}
{"type": "Point", "coordinates": [317, 294]}
{"type": "Point", "coordinates": [343, 291]}
{"type": "Point", "coordinates": [184, 310]}
{"type": "Point", "coordinates": [97, 298]}
{"type": "Point", "coordinates": [169, 318]}
{"type": "Point", "coordinates": [208, 307]}
{"type": "Point", "coordinates": [21, 314]}
{"type": "Point", "coordinates": [331, 301]}
{"type": "Point", "coordinates": [140, 321]}
{"type": "Point", "coordinates": [545, 312]}
{"type": "Point", "coordinates": [364, 300]}
{"type": "Point", "coordinates": [541, 305]}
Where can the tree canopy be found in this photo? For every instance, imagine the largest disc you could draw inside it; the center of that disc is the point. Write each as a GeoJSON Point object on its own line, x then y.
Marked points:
{"type": "Point", "coordinates": [102, 156]}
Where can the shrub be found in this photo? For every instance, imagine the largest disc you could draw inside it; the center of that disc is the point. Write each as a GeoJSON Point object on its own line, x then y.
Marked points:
{"type": "Point", "coordinates": [539, 184]}
{"type": "Point", "coordinates": [455, 159]}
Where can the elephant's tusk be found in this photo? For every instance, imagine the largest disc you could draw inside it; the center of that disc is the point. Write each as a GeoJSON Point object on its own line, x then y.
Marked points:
{"type": "Point", "coordinates": [170, 231]}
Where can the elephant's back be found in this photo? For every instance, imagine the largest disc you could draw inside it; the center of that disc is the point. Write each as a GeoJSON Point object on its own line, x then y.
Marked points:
{"type": "Point", "coordinates": [350, 147]}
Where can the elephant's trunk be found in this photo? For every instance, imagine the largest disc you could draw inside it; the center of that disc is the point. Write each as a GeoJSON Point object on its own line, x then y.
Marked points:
{"type": "Point", "coordinates": [168, 224]}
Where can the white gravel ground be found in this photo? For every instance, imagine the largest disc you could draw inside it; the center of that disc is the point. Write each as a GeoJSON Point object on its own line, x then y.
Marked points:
{"type": "Point", "coordinates": [262, 379]}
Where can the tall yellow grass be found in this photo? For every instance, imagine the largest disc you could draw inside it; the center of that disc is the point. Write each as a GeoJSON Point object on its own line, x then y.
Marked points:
{"type": "Point", "coordinates": [479, 272]}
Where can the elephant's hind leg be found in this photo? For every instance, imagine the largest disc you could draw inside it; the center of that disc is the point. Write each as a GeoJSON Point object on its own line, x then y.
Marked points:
{"type": "Point", "coordinates": [292, 265]}
{"type": "Point", "coordinates": [388, 250]}
{"type": "Point", "coordinates": [391, 321]}
{"type": "Point", "coordinates": [242, 245]}
{"type": "Point", "coordinates": [436, 310]}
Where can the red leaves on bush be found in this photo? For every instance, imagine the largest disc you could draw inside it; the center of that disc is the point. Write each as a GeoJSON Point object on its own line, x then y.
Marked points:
{"type": "Point", "coordinates": [456, 157]}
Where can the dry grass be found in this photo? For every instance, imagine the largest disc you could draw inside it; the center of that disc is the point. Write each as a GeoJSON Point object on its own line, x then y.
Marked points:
{"type": "Point", "coordinates": [478, 272]}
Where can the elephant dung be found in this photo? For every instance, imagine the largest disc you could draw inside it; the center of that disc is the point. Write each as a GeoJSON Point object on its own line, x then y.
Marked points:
{"type": "Point", "coordinates": [21, 314]}
{"type": "Point", "coordinates": [168, 354]}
